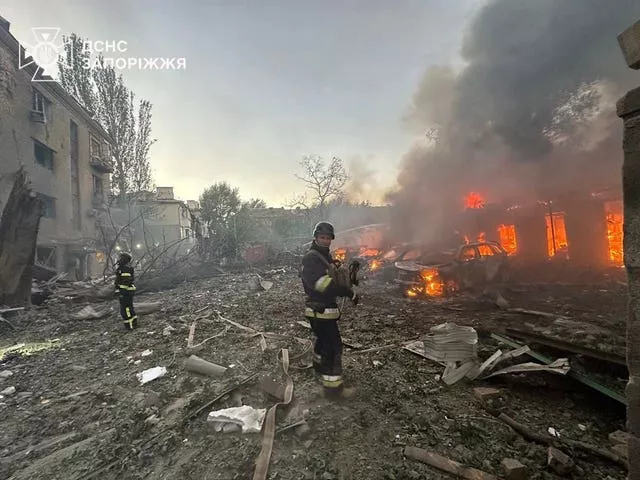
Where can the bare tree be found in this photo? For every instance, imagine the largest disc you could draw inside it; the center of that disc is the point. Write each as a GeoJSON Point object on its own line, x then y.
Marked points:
{"type": "Point", "coordinates": [326, 182]}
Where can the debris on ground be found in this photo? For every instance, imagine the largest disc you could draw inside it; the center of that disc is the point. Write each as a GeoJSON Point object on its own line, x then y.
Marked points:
{"type": "Point", "coordinates": [80, 409]}
{"type": "Point", "coordinates": [514, 470]}
{"type": "Point", "coordinates": [151, 374]}
{"type": "Point", "coordinates": [247, 419]}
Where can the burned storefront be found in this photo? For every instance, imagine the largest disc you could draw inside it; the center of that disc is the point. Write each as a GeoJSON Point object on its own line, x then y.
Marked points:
{"type": "Point", "coordinates": [583, 230]}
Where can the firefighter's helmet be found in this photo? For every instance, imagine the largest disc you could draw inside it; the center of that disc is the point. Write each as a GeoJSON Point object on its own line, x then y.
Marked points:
{"type": "Point", "coordinates": [323, 228]}
{"type": "Point", "coordinates": [124, 258]}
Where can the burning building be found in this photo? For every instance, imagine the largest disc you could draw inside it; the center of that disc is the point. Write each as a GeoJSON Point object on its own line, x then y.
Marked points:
{"type": "Point", "coordinates": [583, 229]}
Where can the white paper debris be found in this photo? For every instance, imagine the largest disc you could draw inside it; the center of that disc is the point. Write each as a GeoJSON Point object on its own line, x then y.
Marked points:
{"type": "Point", "coordinates": [146, 353]}
{"type": "Point", "coordinates": [377, 363]}
{"type": "Point", "coordinates": [248, 418]}
{"type": "Point", "coordinates": [553, 432]}
{"type": "Point", "coordinates": [151, 374]}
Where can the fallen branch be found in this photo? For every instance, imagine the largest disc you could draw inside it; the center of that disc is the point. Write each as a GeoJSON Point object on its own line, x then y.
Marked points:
{"type": "Point", "coordinates": [446, 465]}
{"type": "Point", "coordinates": [533, 436]}
{"type": "Point", "coordinates": [535, 312]}
{"type": "Point", "coordinates": [211, 337]}
{"type": "Point", "coordinates": [237, 325]}
{"type": "Point", "coordinates": [376, 349]}
{"type": "Point", "coordinates": [192, 332]}
{"type": "Point", "coordinates": [4, 320]}
{"type": "Point", "coordinates": [290, 426]}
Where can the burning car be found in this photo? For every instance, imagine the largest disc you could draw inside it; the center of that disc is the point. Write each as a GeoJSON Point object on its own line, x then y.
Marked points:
{"type": "Point", "coordinates": [439, 273]}
{"type": "Point", "coordinates": [382, 265]}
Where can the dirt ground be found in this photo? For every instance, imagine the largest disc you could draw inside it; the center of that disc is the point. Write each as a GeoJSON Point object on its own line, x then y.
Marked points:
{"type": "Point", "coordinates": [79, 412]}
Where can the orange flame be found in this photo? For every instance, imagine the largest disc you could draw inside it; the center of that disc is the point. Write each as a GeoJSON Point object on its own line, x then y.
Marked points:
{"type": "Point", "coordinates": [431, 284]}
{"type": "Point", "coordinates": [375, 265]}
{"type": "Point", "coordinates": [508, 238]}
{"type": "Point", "coordinates": [474, 200]}
{"type": "Point", "coordinates": [340, 254]}
{"type": "Point", "coordinates": [369, 252]}
{"type": "Point", "coordinates": [558, 231]}
{"type": "Point", "coordinates": [615, 235]}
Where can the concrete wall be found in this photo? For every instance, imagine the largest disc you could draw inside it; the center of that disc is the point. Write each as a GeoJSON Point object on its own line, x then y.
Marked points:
{"type": "Point", "coordinates": [18, 131]}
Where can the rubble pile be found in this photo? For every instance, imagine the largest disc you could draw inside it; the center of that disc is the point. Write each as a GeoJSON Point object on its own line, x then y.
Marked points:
{"type": "Point", "coordinates": [189, 393]}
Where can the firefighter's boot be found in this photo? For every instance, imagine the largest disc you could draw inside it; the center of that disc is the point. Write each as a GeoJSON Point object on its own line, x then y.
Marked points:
{"type": "Point", "coordinates": [344, 393]}
{"type": "Point", "coordinates": [131, 324]}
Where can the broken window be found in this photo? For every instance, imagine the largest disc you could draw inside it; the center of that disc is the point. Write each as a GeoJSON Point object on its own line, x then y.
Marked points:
{"type": "Point", "coordinates": [46, 256]}
{"type": "Point", "coordinates": [98, 188]}
{"type": "Point", "coordinates": [485, 251]}
{"type": "Point", "coordinates": [95, 149]}
{"type": "Point", "coordinates": [38, 102]}
{"type": "Point", "coordinates": [468, 254]}
{"type": "Point", "coordinates": [43, 155]}
{"type": "Point", "coordinates": [40, 105]}
{"type": "Point", "coordinates": [48, 205]}
{"type": "Point", "coordinates": [508, 239]}
{"type": "Point", "coordinates": [556, 234]}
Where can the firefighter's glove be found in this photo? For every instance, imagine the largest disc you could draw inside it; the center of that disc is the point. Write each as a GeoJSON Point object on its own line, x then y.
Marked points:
{"type": "Point", "coordinates": [355, 298]}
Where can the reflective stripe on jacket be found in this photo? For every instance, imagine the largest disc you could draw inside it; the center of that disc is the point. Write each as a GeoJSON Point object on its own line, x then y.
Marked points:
{"type": "Point", "coordinates": [125, 278]}
{"type": "Point", "coordinates": [321, 290]}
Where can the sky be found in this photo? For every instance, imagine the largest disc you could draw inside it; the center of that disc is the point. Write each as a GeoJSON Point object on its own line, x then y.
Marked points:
{"type": "Point", "coordinates": [267, 82]}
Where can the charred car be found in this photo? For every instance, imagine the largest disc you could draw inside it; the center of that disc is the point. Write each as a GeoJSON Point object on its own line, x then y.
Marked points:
{"type": "Point", "coordinates": [438, 273]}
{"type": "Point", "coordinates": [382, 265]}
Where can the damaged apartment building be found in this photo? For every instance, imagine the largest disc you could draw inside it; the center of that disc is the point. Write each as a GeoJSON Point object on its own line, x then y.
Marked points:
{"type": "Point", "coordinates": [66, 155]}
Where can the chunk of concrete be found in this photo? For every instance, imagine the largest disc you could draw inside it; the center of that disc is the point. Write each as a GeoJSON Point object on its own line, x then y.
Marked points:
{"type": "Point", "coordinates": [619, 437]}
{"type": "Point", "coordinates": [629, 42]}
{"type": "Point", "coordinates": [485, 394]}
{"type": "Point", "coordinates": [514, 470]}
{"type": "Point", "coordinates": [8, 391]}
{"type": "Point", "coordinates": [5, 374]}
{"type": "Point", "coordinates": [621, 449]}
{"type": "Point", "coordinates": [559, 462]}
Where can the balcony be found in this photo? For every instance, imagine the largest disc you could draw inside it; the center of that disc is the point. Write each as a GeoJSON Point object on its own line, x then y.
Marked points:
{"type": "Point", "coordinates": [100, 164]}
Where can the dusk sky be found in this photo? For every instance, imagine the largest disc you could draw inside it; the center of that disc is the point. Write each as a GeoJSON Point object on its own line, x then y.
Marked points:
{"type": "Point", "coordinates": [267, 82]}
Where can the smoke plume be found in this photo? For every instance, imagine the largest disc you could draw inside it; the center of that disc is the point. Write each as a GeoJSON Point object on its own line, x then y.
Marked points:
{"type": "Point", "coordinates": [531, 114]}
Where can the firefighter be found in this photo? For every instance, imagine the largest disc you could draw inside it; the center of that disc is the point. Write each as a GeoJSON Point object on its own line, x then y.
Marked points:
{"type": "Point", "coordinates": [321, 309]}
{"type": "Point", "coordinates": [125, 289]}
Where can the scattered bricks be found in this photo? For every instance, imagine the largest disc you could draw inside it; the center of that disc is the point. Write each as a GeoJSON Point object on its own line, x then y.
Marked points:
{"type": "Point", "coordinates": [621, 450]}
{"type": "Point", "coordinates": [559, 461]}
{"type": "Point", "coordinates": [485, 394]}
{"type": "Point", "coordinates": [629, 42]}
{"type": "Point", "coordinates": [514, 470]}
{"type": "Point", "coordinates": [619, 437]}
{"type": "Point", "coordinates": [273, 388]}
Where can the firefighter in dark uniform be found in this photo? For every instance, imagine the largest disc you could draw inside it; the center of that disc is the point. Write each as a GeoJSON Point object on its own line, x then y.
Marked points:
{"type": "Point", "coordinates": [321, 310]}
{"type": "Point", "coordinates": [125, 289]}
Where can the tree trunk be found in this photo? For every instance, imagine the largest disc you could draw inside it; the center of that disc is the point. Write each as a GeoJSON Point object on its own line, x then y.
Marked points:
{"type": "Point", "coordinates": [629, 110]}
{"type": "Point", "coordinates": [19, 226]}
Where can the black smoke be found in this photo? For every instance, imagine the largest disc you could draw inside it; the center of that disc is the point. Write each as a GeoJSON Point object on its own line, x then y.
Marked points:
{"type": "Point", "coordinates": [531, 113]}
